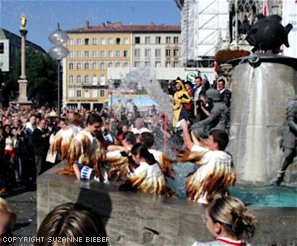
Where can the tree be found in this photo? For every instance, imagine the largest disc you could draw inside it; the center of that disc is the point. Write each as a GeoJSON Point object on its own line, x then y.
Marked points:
{"type": "Point", "coordinates": [41, 73]}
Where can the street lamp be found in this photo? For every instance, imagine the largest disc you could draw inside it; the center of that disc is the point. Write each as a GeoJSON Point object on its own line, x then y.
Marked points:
{"type": "Point", "coordinates": [58, 52]}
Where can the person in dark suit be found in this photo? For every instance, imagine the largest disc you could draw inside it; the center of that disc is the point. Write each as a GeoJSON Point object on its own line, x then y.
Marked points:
{"type": "Point", "coordinates": [40, 140]}
{"type": "Point", "coordinates": [224, 92]}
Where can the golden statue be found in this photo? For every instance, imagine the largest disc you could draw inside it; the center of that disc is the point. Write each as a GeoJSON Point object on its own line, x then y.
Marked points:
{"type": "Point", "coordinates": [23, 18]}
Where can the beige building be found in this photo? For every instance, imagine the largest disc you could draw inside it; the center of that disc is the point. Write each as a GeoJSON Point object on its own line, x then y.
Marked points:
{"type": "Point", "coordinates": [95, 49]}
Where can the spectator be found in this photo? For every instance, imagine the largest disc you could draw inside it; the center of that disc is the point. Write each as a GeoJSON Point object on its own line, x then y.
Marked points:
{"type": "Point", "coordinates": [228, 221]}
{"type": "Point", "coordinates": [7, 222]}
{"type": "Point", "coordinates": [72, 221]}
{"type": "Point", "coordinates": [40, 140]}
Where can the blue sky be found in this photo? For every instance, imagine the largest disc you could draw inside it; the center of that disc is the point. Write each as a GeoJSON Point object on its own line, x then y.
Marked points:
{"type": "Point", "coordinates": [43, 15]}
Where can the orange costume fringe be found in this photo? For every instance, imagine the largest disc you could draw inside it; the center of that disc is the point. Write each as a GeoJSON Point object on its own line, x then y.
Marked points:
{"type": "Point", "coordinates": [213, 176]}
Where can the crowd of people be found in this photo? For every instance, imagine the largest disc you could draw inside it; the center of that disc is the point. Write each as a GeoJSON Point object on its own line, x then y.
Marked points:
{"type": "Point", "coordinates": [130, 147]}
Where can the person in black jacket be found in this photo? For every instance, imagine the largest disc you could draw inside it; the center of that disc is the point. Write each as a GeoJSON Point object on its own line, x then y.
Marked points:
{"type": "Point", "coordinates": [40, 140]}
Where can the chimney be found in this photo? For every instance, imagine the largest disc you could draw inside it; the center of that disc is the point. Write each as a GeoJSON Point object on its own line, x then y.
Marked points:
{"type": "Point", "coordinates": [87, 24]}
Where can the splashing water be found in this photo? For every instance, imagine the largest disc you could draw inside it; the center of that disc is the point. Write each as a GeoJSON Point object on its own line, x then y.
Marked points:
{"type": "Point", "coordinates": [145, 78]}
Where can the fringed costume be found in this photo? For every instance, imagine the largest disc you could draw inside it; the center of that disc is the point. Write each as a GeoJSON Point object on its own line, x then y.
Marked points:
{"type": "Point", "coordinates": [165, 163]}
{"type": "Point", "coordinates": [213, 176]}
{"type": "Point", "coordinates": [62, 144]}
{"type": "Point", "coordinates": [148, 178]}
{"type": "Point", "coordinates": [90, 153]}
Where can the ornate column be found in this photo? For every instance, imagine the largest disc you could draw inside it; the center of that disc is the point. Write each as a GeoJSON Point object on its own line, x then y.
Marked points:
{"type": "Point", "coordinates": [23, 100]}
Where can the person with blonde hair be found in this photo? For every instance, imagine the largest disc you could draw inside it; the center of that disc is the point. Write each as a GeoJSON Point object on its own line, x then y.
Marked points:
{"type": "Point", "coordinates": [229, 222]}
{"type": "Point", "coordinates": [7, 221]}
{"type": "Point", "coordinates": [73, 224]}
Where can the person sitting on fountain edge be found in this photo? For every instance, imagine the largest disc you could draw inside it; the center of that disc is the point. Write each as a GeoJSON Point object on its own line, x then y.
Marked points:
{"type": "Point", "coordinates": [215, 173]}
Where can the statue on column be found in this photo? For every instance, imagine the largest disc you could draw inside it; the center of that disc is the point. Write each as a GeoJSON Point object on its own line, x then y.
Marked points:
{"type": "Point", "coordinates": [23, 22]}
{"type": "Point", "coordinates": [289, 141]}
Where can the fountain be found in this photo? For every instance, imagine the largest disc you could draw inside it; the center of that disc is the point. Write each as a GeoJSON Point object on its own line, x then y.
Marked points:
{"type": "Point", "coordinates": [143, 219]}
{"type": "Point", "coordinates": [262, 86]}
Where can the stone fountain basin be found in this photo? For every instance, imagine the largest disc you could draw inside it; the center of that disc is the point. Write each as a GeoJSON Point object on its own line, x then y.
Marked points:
{"type": "Point", "coordinates": [144, 219]}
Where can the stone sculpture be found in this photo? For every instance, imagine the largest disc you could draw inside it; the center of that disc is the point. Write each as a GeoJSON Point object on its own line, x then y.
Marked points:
{"type": "Point", "coordinates": [289, 142]}
{"type": "Point", "coordinates": [268, 34]}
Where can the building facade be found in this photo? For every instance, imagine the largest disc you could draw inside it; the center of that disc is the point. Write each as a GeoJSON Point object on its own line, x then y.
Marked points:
{"type": "Point", "coordinates": [95, 49]}
{"type": "Point", "coordinates": [10, 46]}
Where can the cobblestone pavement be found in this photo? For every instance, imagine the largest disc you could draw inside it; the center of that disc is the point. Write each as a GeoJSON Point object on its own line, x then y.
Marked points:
{"type": "Point", "coordinates": [24, 201]}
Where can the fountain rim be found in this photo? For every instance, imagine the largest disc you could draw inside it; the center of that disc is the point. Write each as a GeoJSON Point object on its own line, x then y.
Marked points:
{"type": "Point", "coordinates": [259, 58]}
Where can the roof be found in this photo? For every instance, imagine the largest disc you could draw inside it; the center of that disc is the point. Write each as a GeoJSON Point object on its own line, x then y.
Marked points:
{"type": "Point", "coordinates": [4, 34]}
{"type": "Point", "coordinates": [110, 28]}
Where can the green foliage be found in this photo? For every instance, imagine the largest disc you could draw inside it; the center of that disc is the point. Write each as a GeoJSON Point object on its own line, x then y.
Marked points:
{"type": "Point", "coordinates": [41, 73]}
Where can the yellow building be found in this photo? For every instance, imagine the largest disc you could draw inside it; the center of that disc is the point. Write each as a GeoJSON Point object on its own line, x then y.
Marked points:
{"type": "Point", "coordinates": [94, 49]}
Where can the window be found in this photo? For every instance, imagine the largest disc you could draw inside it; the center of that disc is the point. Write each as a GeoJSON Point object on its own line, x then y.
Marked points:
{"type": "Point", "coordinates": [167, 52]}
{"type": "Point", "coordinates": [126, 64]}
{"type": "Point", "coordinates": [147, 40]}
{"type": "Point", "coordinates": [168, 64]}
{"type": "Point", "coordinates": [102, 65]}
{"type": "Point", "coordinates": [70, 66]}
{"type": "Point", "coordinates": [78, 80]}
{"type": "Point", "coordinates": [158, 52]}
{"type": "Point", "coordinates": [95, 41]}
{"type": "Point", "coordinates": [102, 40]}
{"type": "Point", "coordinates": [109, 53]}
{"type": "Point", "coordinates": [168, 40]}
{"type": "Point", "coordinates": [70, 41]}
{"type": "Point", "coordinates": [87, 80]}
{"type": "Point", "coordinates": [118, 41]}
{"type": "Point", "coordinates": [102, 53]}
{"type": "Point", "coordinates": [158, 40]}
{"type": "Point", "coordinates": [78, 41]}
{"type": "Point", "coordinates": [94, 65]}
{"type": "Point", "coordinates": [78, 66]}
{"type": "Point", "coordinates": [94, 79]}
{"type": "Point", "coordinates": [87, 66]}
{"type": "Point", "coordinates": [137, 40]}
{"type": "Point", "coordinates": [175, 52]}
{"type": "Point", "coordinates": [118, 64]}
{"type": "Point", "coordinates": [147, 64]}
{"type": "Point", "coordinates": [70, 79]}
{"type": "Point", "coordinates": [102, 79]}
{"type": "Point", "coordinates": [157, 64]}
{"type": "Point", "coordinates": [102, 93]}
{"type": "Point", "coordinates": [126, 41]}
{"type": "Point", "coordinates": [147, 52]}
{"type": "Point", "coordinates": [118, 53]}
{"type": "Point", "coordinates": [94, 93]}
{"type": "Point", "coordinates": [109, 64]}
{"type": "Point", "coordinates": [87, 93]}
{"type": "Point", "coordinates": [87, 53]}
{"type": "Point", "coordinates": [71, 92]}
{"type": "Point", "coordinates": [125, 53]}
{"type": "Point", "coordinates": [71, 53]}
{"type": "Point", "coordinates": [94, 53]}
{"type": "Point", "coordinates": [78, 53]}
{"type": "Point", "coordinates": [86, 41]}
{"type": "Point", "coordinates": [175, 64]}
{"type": "Point", "coordinates": [137, 64]}
{"type": "Point", "coordinates": [137, 52]}
{"type": "Point", "coordinates": [78, 93]}
{"type": "Point", "coordinates": [110, 40]}
{"type": "Point", "coordinates": [175, 40]}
